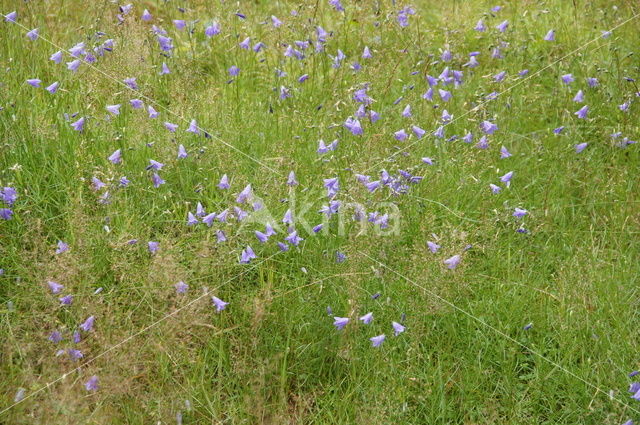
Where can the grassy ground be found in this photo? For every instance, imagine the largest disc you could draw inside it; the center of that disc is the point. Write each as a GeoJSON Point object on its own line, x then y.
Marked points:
{"type": "Point", "coordinates": [273, 355]}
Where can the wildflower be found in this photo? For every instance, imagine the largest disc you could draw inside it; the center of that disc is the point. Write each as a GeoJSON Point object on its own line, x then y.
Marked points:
{"type": "Point", "coordinates": [353, 125]}
{"type": "Point", "coordinates": [261, 236]}
{"type": "Point", "coordinates": [220, 305]}
{"type": "Point", "coordinates": [340, 322]}
{"type": "Point", "coordinates": [153, 246]}
{"type": "Point", "coordinates": [193, 127]}
{"type": "Point", "coordinates": [245, 44]}
{"type": "Point", "coordinates": [579, 97]}
{"type": "Point", "coordinates": [403, 16]}
{"type": "Point", "coordinates": [283, 246]}
{"type": "Point", "coordinates": [78, 125]}
{"type": "Point", "coordinates": [550, 36]}
{"type": "Point", "coordinates": [191, 219]}
{"type": "Point", "coordinates": [113, 109]}
{"type": "Point", "coordinates": [284, 93]}
{"type": "Point", "coordinates": [180, 24]}
{"type": "Point", "coordinates": [506, 179]}
{"type": "Point", "coordinates": [34, 82]}
{"type": "Point", "coordinates": [11, 17]}
{"type": "Point", "coordinates": [154, 165]}
{"type": "Point", "coordinates": [212, 29]}
{"type": "Point", "coordinates": [332, 185]}
{"type": "Point", "coordinates": [504, 153]}
{"type": "Point", "coordinates": [444, 95]}
{"type": "Point", "coordinates": [152, 112]}
{"type": "Point", "coordinates": [131, 83]}
{"type": "Point", "coordinates": [480, 26]}
{"type": "Point", "coordinates": [8, 195]}
{"type": "Point", "coordinates": [157, 180]}
{"type": "Point", "coordinates": [473, 62]}
{"type": "Point", "coordinates": [495, 189]}
{"type": "Point", "coordinates": [372, 186]}
{"type": "Point", "coordinates": [567, 78]}
{"type": "Point", "coordinates": [433, 247]}
{"type": "Point", "coordinates": [62, 247]}
{"type": "Point", "coordinates": [181, 287]}
{"type": "Point", "coordinates": [222, 217]}
{"type": "Point", "coordinates": [519, 212]}
{"type": "Point", "coordinates": [73, 65]}
{"type": "Point", "coordinates": [502, 26]}
{"type": "Point", "coordinates": [488, 127]}
{"type": "Point", "coordinates": [77, 50]}
{"type": "Point", "coordinates": [75, 354]}
{"type": "Point", "coordinates": [92, 384]}
{"type": "Point", "coordinates": [33, 34]}
{"type": "Point", "coordinates": [293, 238]}
{"type": "Point", "coordinates": [97, 183]}
{"type": "Point", "coordinates": [336, 5]}
{"type": "Point", "coordinates": [580, 147]}
{"type": "Point", "coordinates": [245, 195]}
{"type": "Point", "coordinates": [247, 255]}
{"type": "Point", "coordinates": [377, 340]}
{"type": "Point", "coordinates": [166, 43]}
{"type": "Point", "coordinates": [367, 318]}
{"type": "Point", "coordinates": [224, 182]}
{"type": "Point", "coordinates": [291, 180]}
{"type": "Point", "coordinates": [452, 262]}
{"type": "Point", "coordinates": [400, 135]}
{"type": "Point", "coordinates": [397, 328]}
{"type": "Point", "coordinates": [146, 16]}
{"type": "Point", "coordinates": [55, 337]}
{"type": "Point", "coordinates": [182, 152]}
{"type": "Point", "coordinates": [56, 57]}
{"type": "Point", "coordinates": [208, 219]}
{"type": "Point", "coordinates": [582, 112]}
{"type": "Point", "coordinates": [87, 325]}
{"type": "Point", "coordinates": [55, 287]}
{"type": "Point", "coordinates": [483, 143]}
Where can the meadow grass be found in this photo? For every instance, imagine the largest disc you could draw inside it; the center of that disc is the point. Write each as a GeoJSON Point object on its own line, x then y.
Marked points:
{"type": "Point", "coordinates": [273, 356]}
